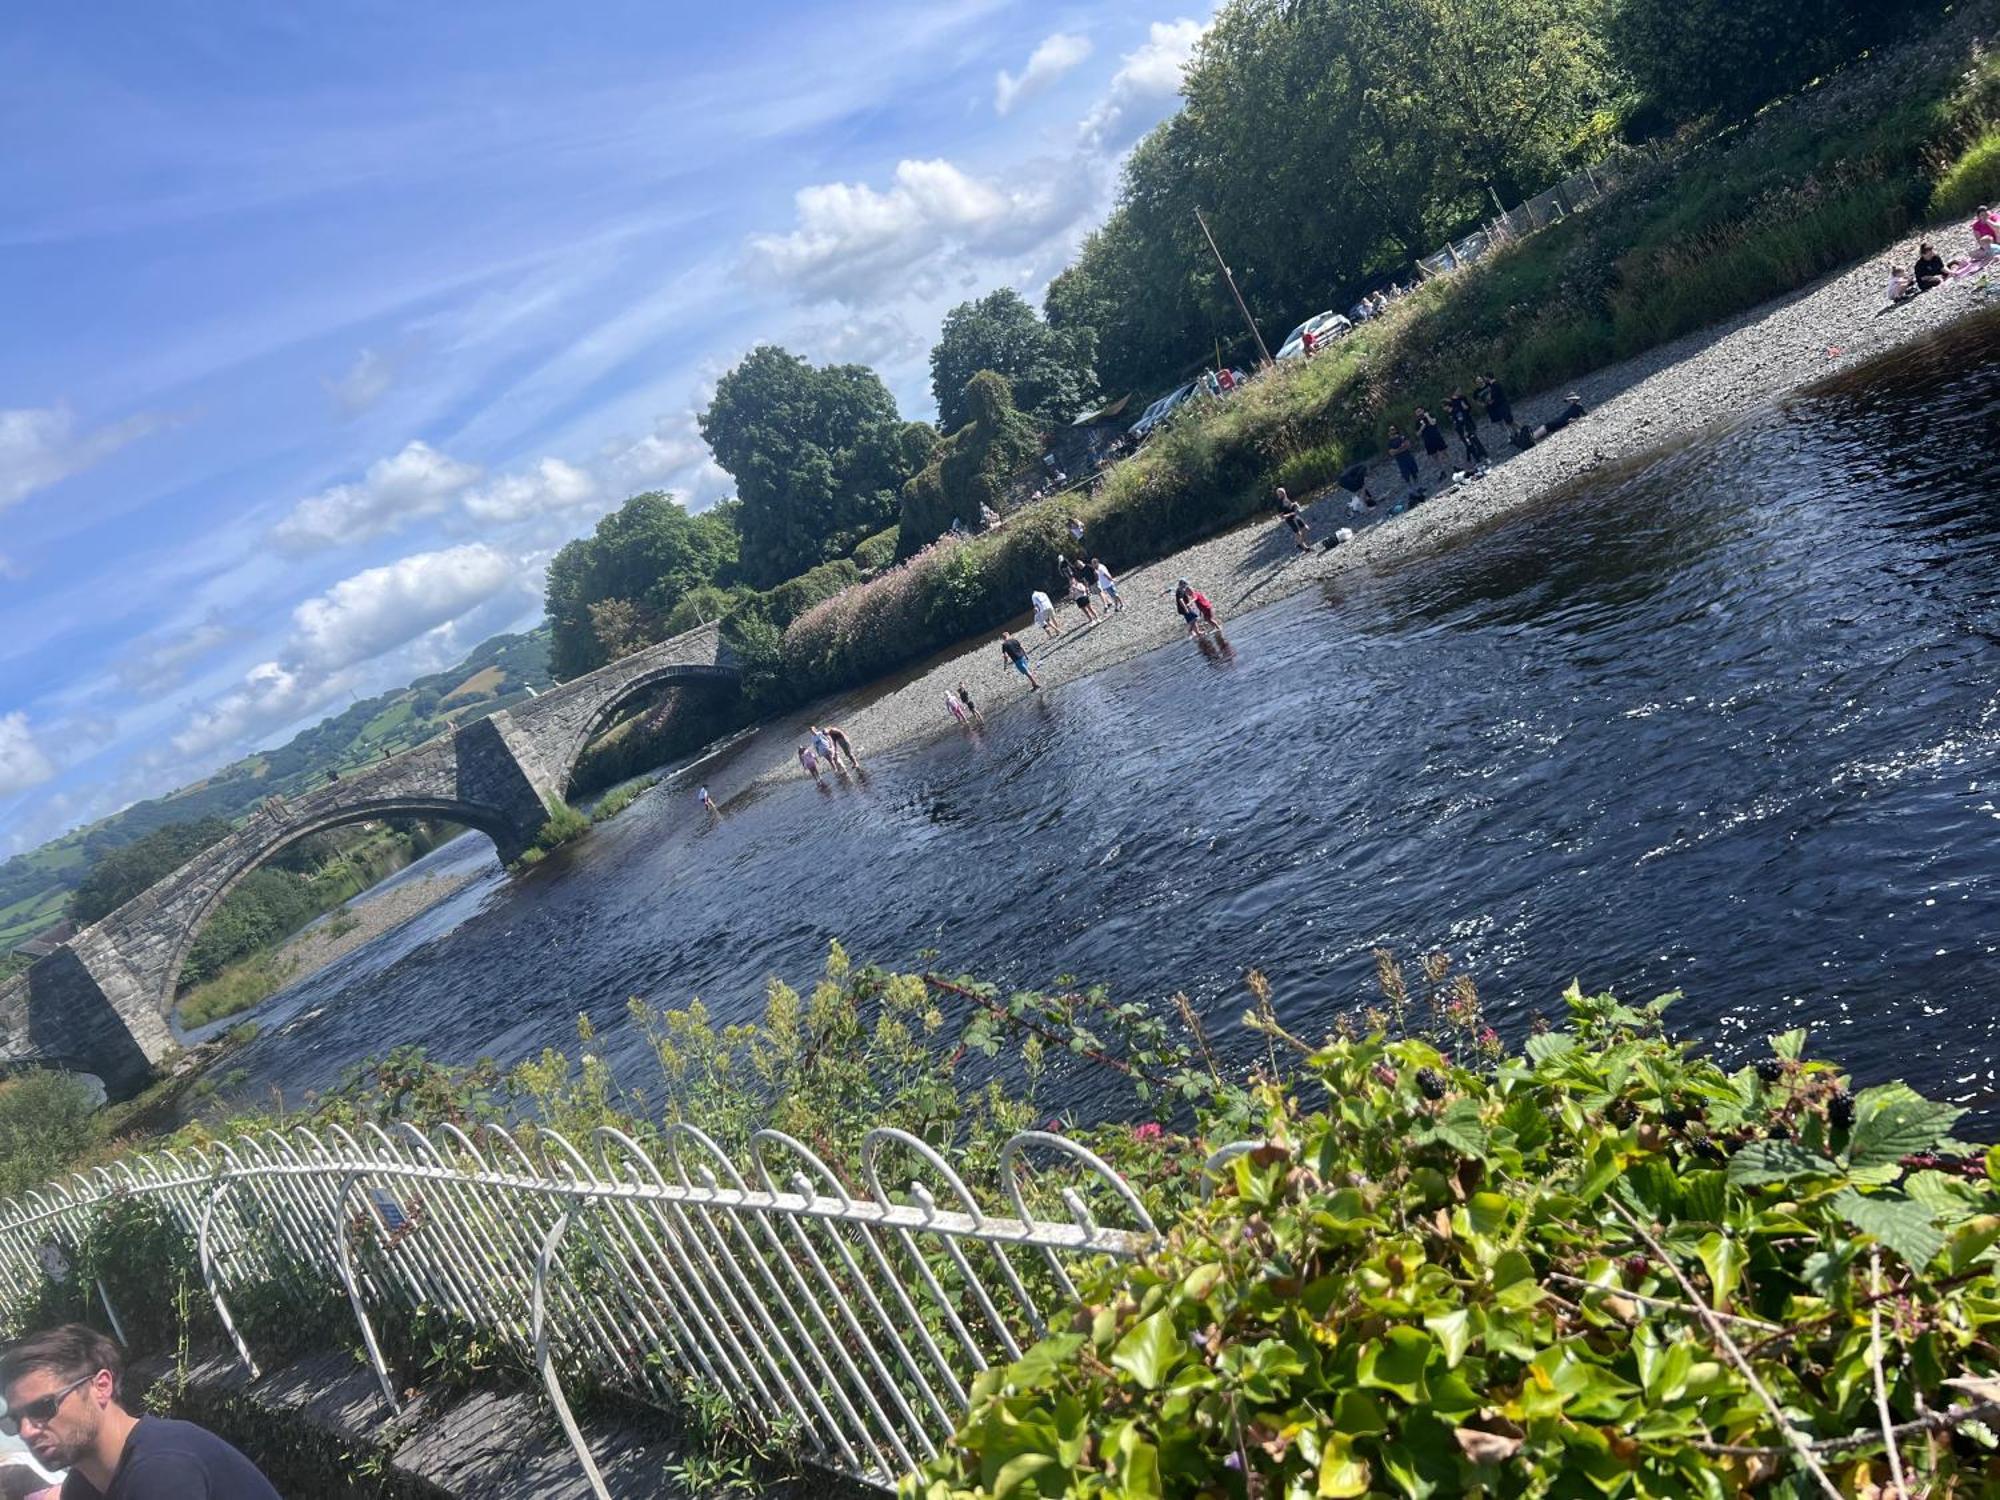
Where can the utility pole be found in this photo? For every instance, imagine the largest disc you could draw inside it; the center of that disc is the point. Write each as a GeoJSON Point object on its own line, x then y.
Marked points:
{"type": "Point", "coordinates": [1264, 354]}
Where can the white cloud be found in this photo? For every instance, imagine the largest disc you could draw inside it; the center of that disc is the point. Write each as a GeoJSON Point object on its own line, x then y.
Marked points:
{"type": "Point", "coordinates": [853, 243]}
{"type": "Point", "coordinates": [1056, 55]}
{"type": "Point", "coordinates": [672, 456]}
{"type": "Point", "coordinates": [551, 486]}
{"type": "Point", "coordinates": [433, 603]}
{"type": "Point", "coordinates": [41, 445]}
{"type": "Point", "coordinates": [382, 608]}
{"type": "Point", "coordinates": [22, 761]}
{"type": "Point", "coordinates": [159, 667]}
{"type": "Point", "coordinates": [367, 381]}
{"type": "Point", "coordinates": [1144, 87]}
{"type": "Point", "coordinates": [419, 481]}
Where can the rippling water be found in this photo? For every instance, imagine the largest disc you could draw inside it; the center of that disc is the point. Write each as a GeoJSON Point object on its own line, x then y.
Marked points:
{"type": "Point", "coordinates": [1724, 722]}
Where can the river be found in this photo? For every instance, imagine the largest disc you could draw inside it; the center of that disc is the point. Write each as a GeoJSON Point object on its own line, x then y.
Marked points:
{"type": "Point", "coordinates": [1724, 722]}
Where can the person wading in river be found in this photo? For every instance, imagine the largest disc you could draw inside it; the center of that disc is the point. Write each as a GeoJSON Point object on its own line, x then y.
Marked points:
{"type": "Point", "coordinates": [65, 1397]}
{"type": "Point", "coordinates": [842, 746]}
{"type": "Point", "coordinates": [1293, 517]}
{"type": "Point", "coordinates": [1016, 655]}
{"type": "Point", "coordinates": [965, 697]}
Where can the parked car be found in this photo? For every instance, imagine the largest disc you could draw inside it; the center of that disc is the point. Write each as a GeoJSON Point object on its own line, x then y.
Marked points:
{"type": "Point", "coordinates": [1154, 414]}
{"type": "Point", "coordinates": [1325, 327]}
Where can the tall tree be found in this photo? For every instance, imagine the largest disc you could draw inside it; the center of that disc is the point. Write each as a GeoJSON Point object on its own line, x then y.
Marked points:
{"type": "Point", "coordinates": [649, 552]}
{"type": "Point", "coordinates": [818, 454]}
{"type": "Point", "coordinates": [1049, 370]}
{"type": "Point", "coordinates": [1690, 57]}
{"type": "Point", "coordinates": [970, 468]}
{"type": "Point", "coordinates": [123, 873]}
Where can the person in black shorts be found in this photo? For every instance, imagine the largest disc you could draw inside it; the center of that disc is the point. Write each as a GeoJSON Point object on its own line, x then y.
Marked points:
{"type": "Point", "coordinates": [1460, 411]}
{"type": "Point", "coordinates": [1293, 517]}
{"type": "Point", "coordinates": [65, 1397]}
{"type": "Point", "coordinates": [1496, 402]}
{"type": "Point", "coordinates": [1432, 437]}
{"type": "Point", "coordinates": [1399, 449]}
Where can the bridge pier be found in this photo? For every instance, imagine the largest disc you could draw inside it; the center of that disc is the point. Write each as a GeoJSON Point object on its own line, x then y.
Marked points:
{"type": "Point", "coordinates": [100, 1003]}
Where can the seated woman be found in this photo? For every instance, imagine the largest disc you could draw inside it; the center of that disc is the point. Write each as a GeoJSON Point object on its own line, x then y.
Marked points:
{"type": "Point", "coordinates": [1930, 271]}
{"type": "Point", "coordinates": [1985, 234]}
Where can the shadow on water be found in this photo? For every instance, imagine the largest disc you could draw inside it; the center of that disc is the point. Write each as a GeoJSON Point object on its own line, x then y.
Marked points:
{"type": "Point", "coordinates": [1726, 722]}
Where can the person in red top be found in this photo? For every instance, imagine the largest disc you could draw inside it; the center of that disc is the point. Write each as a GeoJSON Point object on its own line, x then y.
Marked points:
{"type": "Point", "coordinates": [1196, 610]}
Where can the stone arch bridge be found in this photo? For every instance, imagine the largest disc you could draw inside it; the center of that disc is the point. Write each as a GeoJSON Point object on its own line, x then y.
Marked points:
{"type": "Point", "coordinates": [100, 1003]}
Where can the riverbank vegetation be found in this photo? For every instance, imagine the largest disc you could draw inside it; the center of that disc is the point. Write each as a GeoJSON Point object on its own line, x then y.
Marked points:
{"type": "Point", "coordinates": [1731, 202]}
{"type": "Point", "coordinates": [1400, 1259]}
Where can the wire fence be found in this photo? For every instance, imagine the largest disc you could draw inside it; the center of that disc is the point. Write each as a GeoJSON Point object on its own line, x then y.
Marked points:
{"type": "Point", "coordinates": [847, 1318]}
{"type": "Point", "coordinates": [1545, 208]}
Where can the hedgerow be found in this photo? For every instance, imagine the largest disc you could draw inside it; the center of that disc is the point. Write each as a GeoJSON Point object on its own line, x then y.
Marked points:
{"type": "Point", "coordinates": [1605, 1267]}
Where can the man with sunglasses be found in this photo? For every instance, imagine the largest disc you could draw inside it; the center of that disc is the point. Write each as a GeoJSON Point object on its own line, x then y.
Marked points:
{"type": "Point", "coordinates": [64, 1391]}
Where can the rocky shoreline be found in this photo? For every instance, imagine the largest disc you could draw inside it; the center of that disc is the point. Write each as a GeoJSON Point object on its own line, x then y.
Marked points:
{"type": "Point", "coordinates": [1635, 407]}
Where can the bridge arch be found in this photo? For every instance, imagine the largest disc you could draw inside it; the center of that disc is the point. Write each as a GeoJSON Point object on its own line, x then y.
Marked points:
{"type": "Point", "coordinates": [253, 852]}
{"type": "Point", "coordinates": [594, 722]}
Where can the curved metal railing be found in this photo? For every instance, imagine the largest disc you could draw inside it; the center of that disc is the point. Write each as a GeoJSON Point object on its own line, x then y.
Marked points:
{"type": "Point", "coordinates": [850, 1319]}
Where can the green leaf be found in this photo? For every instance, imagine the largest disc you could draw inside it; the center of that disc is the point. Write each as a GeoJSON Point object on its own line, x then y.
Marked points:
{"type": "Point", "coordinates": [1018, 1470]}
{"type": "Point", "coordinates": [1549, 1044]}
{"type": "Point", "coordinates": [1340, 1472]}
{"type": "Point", "coordinates": [1777, 1161]}
{"type": "Point", "coordinates": [1139, 1468]}
{"type": "Point", "coordinates": [1453, 1331]}
{"type": "Point", "coordinates": [1723, 1257]}
{"type": "Point", "coordinates": [1900, 1224]}
{"type": "Point", "coordinates": [1396, 1364]}
{"type": "Point", "coordinates": [1894, 1120]}
{"type": "Point", "coordinates": [1150, 1350]}
{"type": "Point", "coordinates": [1790, 1045]}
{"type": "Point", "coordinates": [1459, 1127]}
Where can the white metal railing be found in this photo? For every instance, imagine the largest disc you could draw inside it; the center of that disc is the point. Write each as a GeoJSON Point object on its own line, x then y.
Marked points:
{"type": "Point", "coordinates": [852, 1318]}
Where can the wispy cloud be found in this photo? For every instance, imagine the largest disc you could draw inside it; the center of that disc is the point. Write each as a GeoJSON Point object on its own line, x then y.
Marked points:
{"type": "Point", "coordinates": [367, 381]}
{"type": "Point", "coordinates": [1050, 61]}
{"type": "Point", "coordinates": [23, 762]}
{"type": "Point", "coordinates": [40, 446]}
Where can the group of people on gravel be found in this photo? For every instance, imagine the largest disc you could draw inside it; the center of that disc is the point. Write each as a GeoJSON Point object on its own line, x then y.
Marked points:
{"type": "Point", "coordinates": [1931, 270]}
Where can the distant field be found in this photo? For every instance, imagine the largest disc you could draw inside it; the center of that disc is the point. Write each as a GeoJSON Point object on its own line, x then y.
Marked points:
{"type": "Point", "coordinates": [486, 680]}
{"type": "Point", "coordinates": [27, 917]}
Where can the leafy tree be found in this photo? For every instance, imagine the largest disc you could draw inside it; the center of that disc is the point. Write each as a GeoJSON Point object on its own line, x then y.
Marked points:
{"type": "Point", "coordinates": [648, 552]}
{"type": "Point", "coordinates": [1691, 57]}
{"type": "Point", "coordinates": [124, 873]}
{"type": "Point", "coordinates": [1050, 370]}
{"type": "Point", "coordinates": [970, 468]}
{"type": "Point", "coordinates": [44, 1126]}
{"type": "Point", "coordinates": [818, 455]}
{"type": "Point", "coordinates": [620, 627]}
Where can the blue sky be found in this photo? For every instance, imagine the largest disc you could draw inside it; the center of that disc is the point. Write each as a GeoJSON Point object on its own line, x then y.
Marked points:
{"type": "Point", "coordinates": [328, 324]}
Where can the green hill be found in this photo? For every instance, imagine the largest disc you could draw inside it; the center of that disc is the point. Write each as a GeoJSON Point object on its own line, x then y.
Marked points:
{"type": "Point", "coordinates": [35, 887]}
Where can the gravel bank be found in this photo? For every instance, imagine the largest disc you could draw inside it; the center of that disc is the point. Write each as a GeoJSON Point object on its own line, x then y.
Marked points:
{"type": "Point", "coordinates": [1637, 406]}
{"type": "Point", "coordinates": [319, 945]}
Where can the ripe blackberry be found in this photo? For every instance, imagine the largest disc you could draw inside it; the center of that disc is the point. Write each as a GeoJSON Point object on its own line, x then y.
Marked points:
{"type": "Point", "coordinates": [1840, 1108]}
{"type": "Point", "coordinates": [1431, 1083]}
{"type": "Point", "coordinates": [1770, 1070]}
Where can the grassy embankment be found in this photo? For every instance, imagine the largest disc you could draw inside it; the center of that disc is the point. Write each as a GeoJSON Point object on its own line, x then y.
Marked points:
{"type": "Point", "coordinates": [256, 976]}
{"type": "Point", "coordinates": [1603, 1265]}
{"type": "Point", "coordinates": [1715, 228]}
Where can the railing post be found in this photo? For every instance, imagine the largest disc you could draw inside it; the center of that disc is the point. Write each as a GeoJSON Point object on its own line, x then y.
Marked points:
{"type": "Point", "coordinates": [205, 1255]}
{"type": "Point", "coordinates": [346, 1258]}
{"type": "Point", "coordinates": [545, 1364]}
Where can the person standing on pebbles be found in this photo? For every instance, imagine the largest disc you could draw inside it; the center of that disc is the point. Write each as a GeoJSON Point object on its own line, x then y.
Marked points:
{"type": "Point", "coordinates": [1016, 656]}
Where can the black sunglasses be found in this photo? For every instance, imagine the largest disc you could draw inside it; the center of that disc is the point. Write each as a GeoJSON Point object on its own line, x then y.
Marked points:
{"type": "Point", "coordinates": [42, 1408]}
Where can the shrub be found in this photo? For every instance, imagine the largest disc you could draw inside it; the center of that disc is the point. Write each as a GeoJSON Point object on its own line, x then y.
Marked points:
{"type": "Point", "coordinates": [1972, 179]}
{"type": "Point", "coordinates": [1556, 1275]}
{"type": "Point", "coordinates": [877, 551]}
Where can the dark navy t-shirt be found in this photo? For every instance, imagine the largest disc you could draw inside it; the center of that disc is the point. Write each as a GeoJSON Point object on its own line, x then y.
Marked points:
{"type": "Point", "coordinates": [168, 1460]}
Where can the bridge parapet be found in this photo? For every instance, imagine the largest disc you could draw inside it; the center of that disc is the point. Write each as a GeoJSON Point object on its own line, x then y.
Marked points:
{"type": "Point", "coordinates": [100, 1002]}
